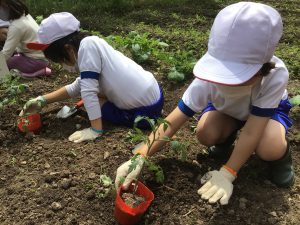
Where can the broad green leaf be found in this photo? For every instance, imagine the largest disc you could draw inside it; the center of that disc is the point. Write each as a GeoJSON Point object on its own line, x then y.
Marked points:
{"type": "Point", "coordinates": [174, 75]}
{"type": "Point", "coordinates": [163, 44]}
{"type": "Point", "coordinates": [295, 100]}
{"type": "Point", "coordinates": [106, 181]}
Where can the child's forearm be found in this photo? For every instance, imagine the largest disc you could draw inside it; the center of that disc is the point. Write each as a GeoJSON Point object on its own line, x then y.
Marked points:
{"type": "Point", "coordinates": [247, 142]}
{"type": "Point", "coordinates": [176, 119]}
{"type": "Point", "coordinates": [96, 124]}
{"type": "Point", "coordinates": [58, 95]}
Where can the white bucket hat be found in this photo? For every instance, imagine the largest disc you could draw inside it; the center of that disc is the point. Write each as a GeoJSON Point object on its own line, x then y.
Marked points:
{"type": "Point", "coordinates": [4, 23]}
{"type": "Point", "coordinates": [55, 27]}
{"type": "Point", "coordinates": [243, 37]}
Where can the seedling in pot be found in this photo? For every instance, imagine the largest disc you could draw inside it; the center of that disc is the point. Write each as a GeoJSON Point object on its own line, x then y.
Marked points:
{"type": "Point", "coordinates": [132, 204]}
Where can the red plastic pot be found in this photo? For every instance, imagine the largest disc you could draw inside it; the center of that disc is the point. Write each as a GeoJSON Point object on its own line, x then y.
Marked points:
{"type": "Point", "coordinates": [30, 123]}
{"type": "Point", "coordinates": [126, 215]}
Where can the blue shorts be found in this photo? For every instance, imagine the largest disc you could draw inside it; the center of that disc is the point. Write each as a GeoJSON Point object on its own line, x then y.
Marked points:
{"type": "Point", "coordinates": [126, 117]}
{"type": "Point", "coordinates": [281, 113]}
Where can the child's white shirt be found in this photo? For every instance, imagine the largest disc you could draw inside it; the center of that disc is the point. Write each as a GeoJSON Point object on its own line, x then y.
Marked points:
{"type": "Point", "coordinates": [20, 32]}
{"type": "Point", "coordinates": [105, 71]}
{"type": "Point", "coordinates": [239, 101]}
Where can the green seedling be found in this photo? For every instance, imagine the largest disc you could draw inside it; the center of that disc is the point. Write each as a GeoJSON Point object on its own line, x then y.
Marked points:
{"type": "Point", "coordinates": [25, 125]}
{"type": "Point", "coordinates": [140, 46]}
{"type": "Point", "coordinates": [138, 136]}
{"type": "Point", "coordinates": [105, 186]}
{"type": "Point", "coordinates": [295, 101]}
{"type": "Point", "coordinates": [12, 90]}
{"type": "Point", "coordinates": [39, 19]}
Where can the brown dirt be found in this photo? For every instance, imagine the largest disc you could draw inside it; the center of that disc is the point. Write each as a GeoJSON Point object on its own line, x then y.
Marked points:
{"type": "Point", "coordinates": [45, 179]}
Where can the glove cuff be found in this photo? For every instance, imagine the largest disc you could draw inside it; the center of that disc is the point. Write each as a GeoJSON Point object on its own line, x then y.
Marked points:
{"type": "Point", "coordinates": [42, 100]}
{"type": "Point", "coordinates": [227, 174]}
{"type": "Point", "coordinates": [97, 131]}
{"type": "Point", "coordinates": [140, 152]}
{"type": "Point", "coordinates": [230, 170]}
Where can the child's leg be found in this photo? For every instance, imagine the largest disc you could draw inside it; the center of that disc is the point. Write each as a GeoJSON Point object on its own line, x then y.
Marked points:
{"type": "Point", "coordinates": [215, 127]}
{"type": "Point", "coordinates": [29, 67]}
{"type": "Point", "coordinates": [273, 143]}
{"type": "Point", "coordinates": [274, 148]}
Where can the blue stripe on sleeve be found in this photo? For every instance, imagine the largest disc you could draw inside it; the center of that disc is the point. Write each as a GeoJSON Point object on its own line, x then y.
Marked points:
{"type": "Point", "coordinates": [263, 112]}
{"type": "Point", "coordinates": [185, 109]}
{"type": "Point", "coordinates": [90, 74]}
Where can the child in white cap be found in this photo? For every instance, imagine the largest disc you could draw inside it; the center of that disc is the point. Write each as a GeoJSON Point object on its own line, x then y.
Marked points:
{"type": "Point", "coordinates": [22, 29]}
{"type": "Point", "coordinates": [238, 83]}
{"type": "Point", "coordinates": [112, 86]}
{"type": "Point", "coordinates": [3, 32]}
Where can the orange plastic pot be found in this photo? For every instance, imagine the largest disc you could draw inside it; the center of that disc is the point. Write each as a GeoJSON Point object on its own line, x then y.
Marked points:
{"type": "Point", "coordinates": [30, 123]}
{"type": "Point", "coordinates": [126, 215]}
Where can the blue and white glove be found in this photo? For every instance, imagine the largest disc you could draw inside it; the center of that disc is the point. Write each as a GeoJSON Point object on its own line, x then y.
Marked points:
{"type": "Point", "coordinates": [33, 106]}
{"type": "Point", "coordinates": [218, 186]}
{"type": "Point", "coordinates": [86, 134]}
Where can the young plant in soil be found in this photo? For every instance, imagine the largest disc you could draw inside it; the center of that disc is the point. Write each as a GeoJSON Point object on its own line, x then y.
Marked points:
{"type": "Point", "coordinates": [132, 199]}
{"type": "Point", "coordinates": [105, 186]}
{"type": "Point", "coordinates": [11, 90]}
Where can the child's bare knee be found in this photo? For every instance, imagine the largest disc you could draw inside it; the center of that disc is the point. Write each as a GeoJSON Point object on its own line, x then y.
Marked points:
{"type": "Point", "coordinates": [207, 138]}
{"type": "Point", "coordinates": [271, 153]}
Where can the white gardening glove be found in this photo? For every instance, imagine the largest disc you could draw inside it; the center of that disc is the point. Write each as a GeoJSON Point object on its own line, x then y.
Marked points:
{"type": "Point", "coordinates": [218, 185]}
{"type": "Point", "coordinates": [85, 135]}
{"type": "Point", "coordinates": [123, 172]}
{"type": "Point", "coordinates": [33, 106]}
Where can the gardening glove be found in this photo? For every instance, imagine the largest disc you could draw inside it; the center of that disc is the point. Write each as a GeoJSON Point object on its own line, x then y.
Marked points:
{"type": "Point", "coordinates": [123, 172]}
{"type": "Point", "coordinates": [85, 135]}
{"type": "Point", "coordinates": [218, 186]}
{"type": "Point", "coordinates": [33, 106]}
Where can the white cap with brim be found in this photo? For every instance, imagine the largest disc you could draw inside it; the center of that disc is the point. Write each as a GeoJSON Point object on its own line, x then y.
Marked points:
{"type": "Point", "coordinates": [212, 69]}
{"type": "Point", "coordinates": [243, 37]}
{"type": "Point", "coordinates": [4, 23]}
{"type": "Point", "coordinates": [53, 28]}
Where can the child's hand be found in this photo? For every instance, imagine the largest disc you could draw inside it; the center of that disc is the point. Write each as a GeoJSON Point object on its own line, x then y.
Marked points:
{"type": "Point", "coordinates": [123, 172]}
{"type": "Point", "coordinates": [218, 186]}
{"type": "Point", "coordinates": [33, 106]}
{"type": "Point", "coordinates": [84, 135]}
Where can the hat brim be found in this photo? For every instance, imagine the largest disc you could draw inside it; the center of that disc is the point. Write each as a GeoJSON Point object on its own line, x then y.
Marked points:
{"type": "Point", "coordinates": [37, 46]}
{"type": "Point", "coordinates": [224, 72]}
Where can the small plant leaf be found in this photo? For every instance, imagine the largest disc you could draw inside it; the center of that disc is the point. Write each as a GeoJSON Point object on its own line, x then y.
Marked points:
{"type": "Point", "coordinates": [295, 100]}
{"type": "Point", "coordinates": [174, 75]}
{"type": "Point", "coordinates": [163, 44]}
{"type": "Point", "coordinates": [106, 181]}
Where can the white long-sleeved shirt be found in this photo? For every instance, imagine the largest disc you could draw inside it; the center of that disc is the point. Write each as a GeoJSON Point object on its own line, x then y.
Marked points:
{"type": "Point", "coordinates": [22, 31]}
{"type": "Point", "coordinates": [107, 72]}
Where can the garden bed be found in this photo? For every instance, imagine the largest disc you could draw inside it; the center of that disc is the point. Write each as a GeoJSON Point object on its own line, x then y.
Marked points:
{"type": "Point", "coordinates": [46, 179]}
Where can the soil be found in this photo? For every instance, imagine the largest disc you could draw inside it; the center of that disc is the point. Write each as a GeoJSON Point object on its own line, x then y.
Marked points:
{"type": "Point", "coordinates": [132, 199]}
{"type": "Point", "coordinates": [45, 179]}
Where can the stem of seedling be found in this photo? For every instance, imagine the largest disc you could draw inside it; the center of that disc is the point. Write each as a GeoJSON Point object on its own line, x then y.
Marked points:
{"type": "Point", "coordinates": [147, 141]}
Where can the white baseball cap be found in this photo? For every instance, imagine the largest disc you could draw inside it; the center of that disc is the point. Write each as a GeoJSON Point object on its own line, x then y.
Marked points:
{"type": "Point", "coordinates": [53, 28]}
{"type": "Point", "coordinates": [243, 37]}
{"type": "Point", "coordinates": [4, 23]}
